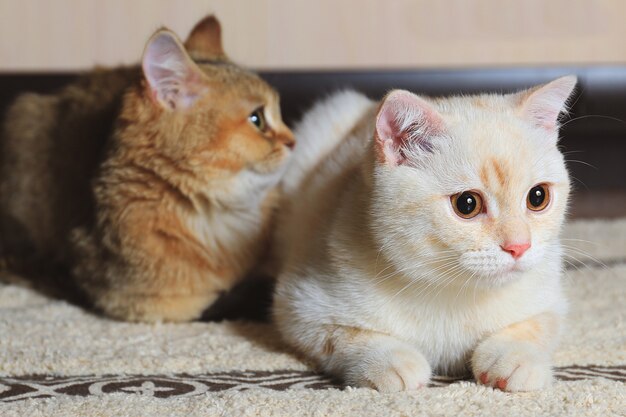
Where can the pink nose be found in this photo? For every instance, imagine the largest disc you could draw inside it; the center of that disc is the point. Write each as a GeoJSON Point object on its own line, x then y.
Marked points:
{"type": "Point", "coordinates": [516, 249]}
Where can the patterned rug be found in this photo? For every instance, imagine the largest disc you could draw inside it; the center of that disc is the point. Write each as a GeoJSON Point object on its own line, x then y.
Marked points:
{"type": "Point", "coordinates": [57, 359]}
{"type": "Point", "coordinates": [166, 386]}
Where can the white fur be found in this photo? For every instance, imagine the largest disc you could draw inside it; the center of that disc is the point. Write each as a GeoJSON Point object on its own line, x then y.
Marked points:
{"type": "Point", "coordinates": [378, 249]}
{"type": "Point", "coordinates": [234, 221]}
{"type": "Point", "coordinates": [321, 129]}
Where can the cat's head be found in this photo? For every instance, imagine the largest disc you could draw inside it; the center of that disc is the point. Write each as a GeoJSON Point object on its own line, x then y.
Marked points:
{"type": "Point", "coordinates": [471, 189]}
{"type": "Point", "coordinates": [211, 118]}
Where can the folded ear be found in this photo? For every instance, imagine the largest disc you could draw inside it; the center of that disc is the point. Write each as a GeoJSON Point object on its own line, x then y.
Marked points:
{"type": "Point", "coordinates": [542, 105]}
{"type": "Point", "coordinates": [174, 79]}
{"type": "Point", "coordinates": [404, 123]}
{"type": "Point", "coordinates": [205, 40]}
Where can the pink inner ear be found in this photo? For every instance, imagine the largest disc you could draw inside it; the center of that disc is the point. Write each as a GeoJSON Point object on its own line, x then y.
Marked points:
{"type": "Point", "coordinates": [544, 112]}
{"type": "Point", "coordinates": [544, 105]}
{"type": "Point", "coordinates": [404, 120]}
{"type": "Point", "coordinates": [171, 75]}
{"type": "Point", "coordinates": [389, 137]}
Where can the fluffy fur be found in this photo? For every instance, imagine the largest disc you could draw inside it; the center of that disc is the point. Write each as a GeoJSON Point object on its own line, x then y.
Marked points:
{"type": "Point", "coordinates": [154, 186]}
{"type": "Point", "coordinates": [383, 282]}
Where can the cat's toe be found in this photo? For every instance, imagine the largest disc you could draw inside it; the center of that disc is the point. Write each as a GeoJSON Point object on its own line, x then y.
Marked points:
{"type": "Point", "coordinates": [511, 366]}
{"type": "Point", "coordinates": [529, 376]}
{"type": "Point", "coordinates": [396, 370]}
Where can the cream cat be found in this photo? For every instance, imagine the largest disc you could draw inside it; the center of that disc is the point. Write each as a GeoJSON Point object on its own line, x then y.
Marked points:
{"type": "Point", "coordinates": [423, 237]}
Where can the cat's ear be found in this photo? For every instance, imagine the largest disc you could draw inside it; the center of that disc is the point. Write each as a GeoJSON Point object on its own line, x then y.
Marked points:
{"type": "Point", "coordinates": [175, 81]}
{"type": "Point", "coordinates": [205, 40]}
{"type": "Point", "coordinates": [404, 123]}
{"type": "Point", "coordinates": [542, 105]}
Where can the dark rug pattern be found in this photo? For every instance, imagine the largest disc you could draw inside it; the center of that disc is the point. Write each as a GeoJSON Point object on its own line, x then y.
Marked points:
{"type": "Point", "coordinates": [18, 388]}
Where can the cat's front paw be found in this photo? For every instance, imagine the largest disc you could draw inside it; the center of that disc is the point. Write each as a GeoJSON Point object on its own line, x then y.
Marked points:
{"type": "Point", "coordinates": [392, 369]}
{"type": "Point", "coordinates": [511, 365]}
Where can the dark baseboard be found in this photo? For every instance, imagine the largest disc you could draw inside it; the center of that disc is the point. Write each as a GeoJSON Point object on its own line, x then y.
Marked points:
{"type": "Point", "coordinates": [594, 132]}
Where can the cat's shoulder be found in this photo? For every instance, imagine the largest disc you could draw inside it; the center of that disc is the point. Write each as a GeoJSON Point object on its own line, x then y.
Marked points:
{"type": "Point", "coordinates": [100, 86]}
{"type": "Point", "coordinates": [97, 88]}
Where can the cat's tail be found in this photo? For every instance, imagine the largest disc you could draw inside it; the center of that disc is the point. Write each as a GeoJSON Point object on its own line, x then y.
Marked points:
{"type": "Point", "coordinates": [320, 130]}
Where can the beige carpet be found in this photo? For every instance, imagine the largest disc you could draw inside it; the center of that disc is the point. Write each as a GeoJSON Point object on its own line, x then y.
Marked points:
{"type": "Point", "coordinates": [56, 359]}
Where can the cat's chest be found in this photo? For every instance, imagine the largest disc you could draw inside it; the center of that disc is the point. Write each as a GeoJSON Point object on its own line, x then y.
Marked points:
{"type": "Point", "coordinates": [442, 322]}
{"type": "Point", "coordinates": [447, 329]}
{"type": "Point", "coordinates": [445, 336]}
{"type": "Point", "coordinates": [231, 235]}
{"type": "Point", "coordinates": [230, 231]}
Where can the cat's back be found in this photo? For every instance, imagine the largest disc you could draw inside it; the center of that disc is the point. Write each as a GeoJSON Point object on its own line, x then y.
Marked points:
{"type": "Point", "coordinates": [49, 148]}
{"type": "Point", "coordinates": [332, 140]}
{"type": "Point", "coordinates": [320, 132]}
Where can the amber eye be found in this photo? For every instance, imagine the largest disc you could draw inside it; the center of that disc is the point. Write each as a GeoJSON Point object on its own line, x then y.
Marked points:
{"type": "Point", "coordinates": [467, 204]}
{"type": "Point", "coordinates": [258, 119]}
{"type": "Point", "coordinates": [538, 197]}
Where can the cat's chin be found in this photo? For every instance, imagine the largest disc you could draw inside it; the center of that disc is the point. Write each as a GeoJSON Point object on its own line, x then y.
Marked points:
{"type": "Point", "coordinates": [501, 278]}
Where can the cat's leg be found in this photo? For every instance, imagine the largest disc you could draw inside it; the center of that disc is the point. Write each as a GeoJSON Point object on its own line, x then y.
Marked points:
{"type": "Point", "coordinates": [370, 359]}
{"type": "Point", "coordinates": [153, 289]}
{"type": "Point", "coordinates": [518, 357]}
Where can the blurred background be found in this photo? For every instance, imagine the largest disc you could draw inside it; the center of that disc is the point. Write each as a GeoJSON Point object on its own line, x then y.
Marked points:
{"type": "Point", "coordinates": [308, 48]}
{"type": "Point", "coordinates": [61, 35]}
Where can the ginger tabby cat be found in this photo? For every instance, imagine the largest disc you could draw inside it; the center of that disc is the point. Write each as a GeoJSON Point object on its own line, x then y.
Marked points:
{"type": "Point", "coordinates": [153, 186]}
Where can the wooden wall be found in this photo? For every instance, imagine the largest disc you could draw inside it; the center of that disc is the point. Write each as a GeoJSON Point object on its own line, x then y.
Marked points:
{"type": "Point", "coordinates": [45, 35]}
